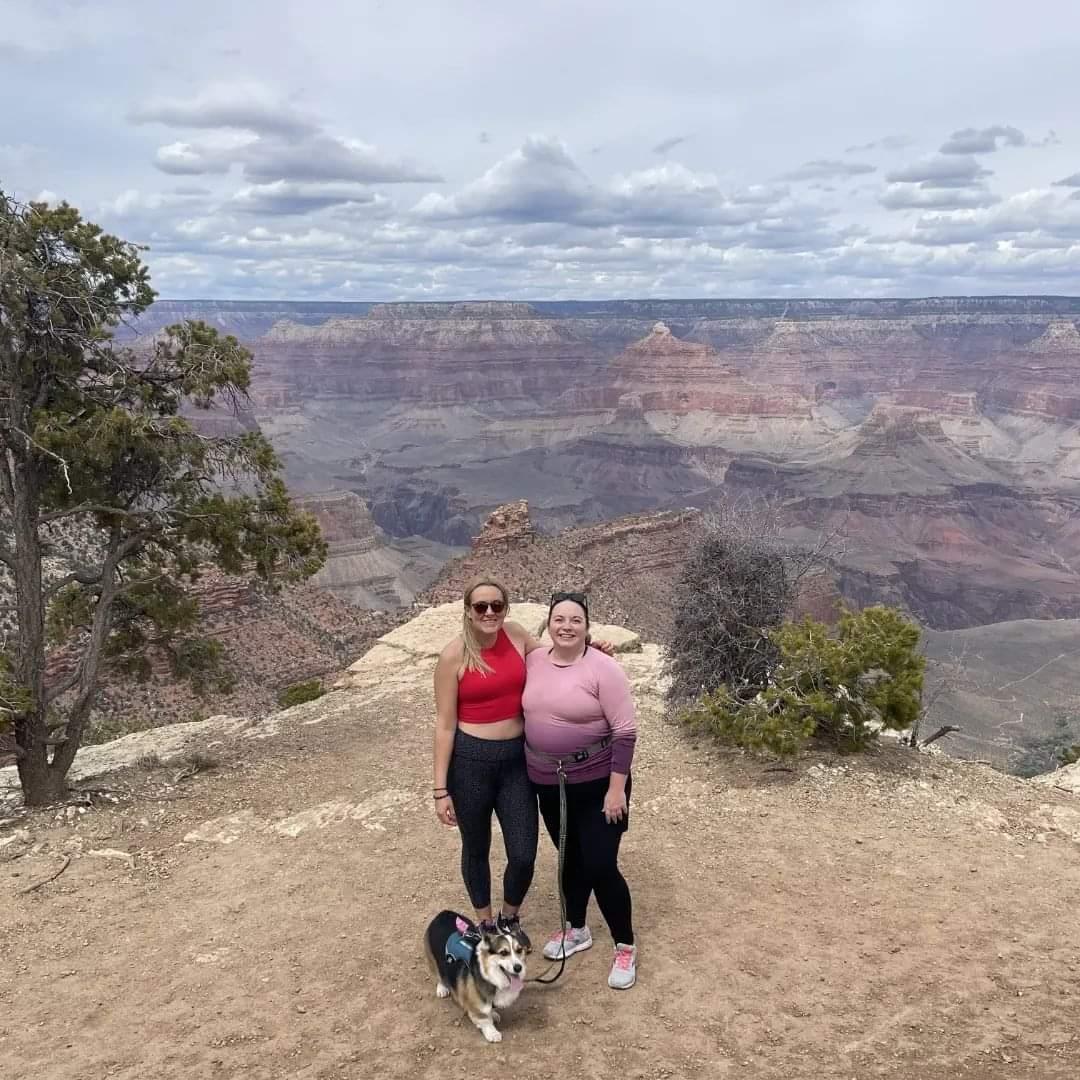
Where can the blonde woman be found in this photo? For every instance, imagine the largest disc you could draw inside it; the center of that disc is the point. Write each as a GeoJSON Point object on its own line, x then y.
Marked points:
{"type": "Point", "coordinates": [479, 767]}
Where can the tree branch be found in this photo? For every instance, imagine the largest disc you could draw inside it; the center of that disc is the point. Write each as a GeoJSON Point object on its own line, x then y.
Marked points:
{"type": "Point", "coordinates": [48, 453]}
{"type": "Point", "coordinates": [58, 690]}
{"type": "Point", "coordinates": [90, 661]}
{"type": "Point", "coordinates": [76, 577]}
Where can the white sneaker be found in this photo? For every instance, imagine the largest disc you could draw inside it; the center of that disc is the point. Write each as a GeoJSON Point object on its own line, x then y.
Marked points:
{"type": "Point", "coordinates": [623, 968]}
{"type": "Point", "coordinates": [573, 938]}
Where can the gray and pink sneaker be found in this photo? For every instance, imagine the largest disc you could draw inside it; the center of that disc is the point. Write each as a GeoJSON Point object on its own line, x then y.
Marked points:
{"type": "Point", "coordinates": [573, 939]}
{"type": "Point", "coordinates": [623, 968]}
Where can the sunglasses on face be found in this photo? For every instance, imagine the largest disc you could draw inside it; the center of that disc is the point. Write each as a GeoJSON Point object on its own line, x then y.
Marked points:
{"type": "Point", "coordinates": [482, 607]}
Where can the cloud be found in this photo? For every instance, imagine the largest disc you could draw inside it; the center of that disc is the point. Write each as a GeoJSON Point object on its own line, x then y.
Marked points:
{"type": "Point", "coordinates": [921, 196]}
{"type": "Point", "coordinates": [538, 182]}
{"type": "Point", "coordinates": [19, 157]}
{"type": "Point", "coordinates": [288, 205]}
{"type": "Point", "coordinates": [244, 107]}
{"type": "Point", "coordinates": [828, 170]}
{"type": "Point", "coordinates": [541, 183]}
{"type": "Point", "coordinates": [283, 197]}
{"type": "Point", "coordinates": [326, 157]}
{"type": "Point", "coordinates": [889, 142]}
{"type": "Point", "coordinates": [270, 142]}
{"type": "Point", "coordinates": [940, 172]}
{"type": "Point", "coordinates": [188, 159]}
{"type": "Point", "coordinates": [1069, 181]}
{"type": "Point", "coordinates": [312, 158]}
{"type": "Point", "coordinates": [983, 140]}
{"type": "Point", "coordinates": [668, 144]}
{"type": "Point", "coordinates": [1037, 218]}
{"type": "Point", "coordinates": [11, 52]}
{"type": "Point", "coordinates": [133, 202]}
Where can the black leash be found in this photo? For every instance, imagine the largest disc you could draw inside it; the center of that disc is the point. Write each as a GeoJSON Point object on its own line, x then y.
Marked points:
{"type": "Point", "coordinates": [562, 895]}
{"type": "Point", "coordinates": [578, 757]}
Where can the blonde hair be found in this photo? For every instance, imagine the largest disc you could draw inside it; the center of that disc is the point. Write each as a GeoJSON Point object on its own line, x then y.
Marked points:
{"type": "Point", "coordinates": [472, 647]}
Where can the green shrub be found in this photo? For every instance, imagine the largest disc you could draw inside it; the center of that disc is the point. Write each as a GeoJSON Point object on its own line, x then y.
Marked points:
{"type": "Point", "coordinates": [765, 724]}
{"type": "Point", "coordinates": [841, 686]}
{"type": "Point", "coordinates": [300, 692]}
{"type": "Point", "coordinates": [1069, 755]}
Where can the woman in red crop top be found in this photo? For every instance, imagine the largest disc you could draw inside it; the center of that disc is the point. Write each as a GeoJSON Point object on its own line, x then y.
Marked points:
{"type": "Point", "coordinates": [480, 765]}
{"type": "Point", "coordinates": [480, 750]}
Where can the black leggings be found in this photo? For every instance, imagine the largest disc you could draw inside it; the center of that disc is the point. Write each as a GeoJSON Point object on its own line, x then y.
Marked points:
{"type": "Point", "coordinates": [489, 776]}
{"type": "Point", "coordinates": [592, 854]}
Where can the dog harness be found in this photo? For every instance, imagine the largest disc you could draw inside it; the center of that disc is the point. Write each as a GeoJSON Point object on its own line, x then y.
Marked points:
{"type": "Point", "coordinates": [458, 950]}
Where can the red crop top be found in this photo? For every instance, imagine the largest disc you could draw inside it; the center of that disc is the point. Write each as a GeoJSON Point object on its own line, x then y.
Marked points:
{"type": "Point", "coordinates": [485, 698]}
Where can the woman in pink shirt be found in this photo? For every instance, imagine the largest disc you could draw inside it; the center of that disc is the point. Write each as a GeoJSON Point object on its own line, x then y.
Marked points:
{"type": "Point", "coordinates": [579, 711]}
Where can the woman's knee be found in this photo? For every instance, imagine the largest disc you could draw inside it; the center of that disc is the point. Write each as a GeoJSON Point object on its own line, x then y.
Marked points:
{"type": "Point", "coordinates": [601, 856]}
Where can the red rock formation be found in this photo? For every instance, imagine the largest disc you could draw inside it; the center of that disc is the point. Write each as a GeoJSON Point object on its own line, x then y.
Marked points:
{"type": "Point", "coordinates": [438, 413]}
{"type": "Point", "coordinates": [507, 527]}
{"type": "Point", "coordinates": [669, 375]}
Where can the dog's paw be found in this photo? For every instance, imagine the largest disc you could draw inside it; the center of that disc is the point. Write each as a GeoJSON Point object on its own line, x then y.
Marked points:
{"type": "Point", "coordinates": [491, 1033]}
{"type": "Point", "coordinates": [441, 991]}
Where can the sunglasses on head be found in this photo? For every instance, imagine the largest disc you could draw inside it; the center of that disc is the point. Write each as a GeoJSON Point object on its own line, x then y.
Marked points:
{"type": "Point", "coordinates": [482, 607]}
{"type": "Point", "coordinates": [578, 598]}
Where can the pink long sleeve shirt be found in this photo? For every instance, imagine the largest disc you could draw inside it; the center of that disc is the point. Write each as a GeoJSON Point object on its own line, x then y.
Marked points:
{"type": "Point", "coordinates": [571, 708]}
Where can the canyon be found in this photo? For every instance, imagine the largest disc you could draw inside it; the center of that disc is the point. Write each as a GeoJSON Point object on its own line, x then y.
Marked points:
{"type": "Point", "coordinates": [938, 438]}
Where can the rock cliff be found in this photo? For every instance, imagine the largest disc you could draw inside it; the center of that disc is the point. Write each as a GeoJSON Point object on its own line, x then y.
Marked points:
{"type": "Point", "coordinates": [364, 566]}
{"type": "Point", "coordinates": [941, 423]}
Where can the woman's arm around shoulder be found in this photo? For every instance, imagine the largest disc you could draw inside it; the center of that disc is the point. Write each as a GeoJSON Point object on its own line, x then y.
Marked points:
{"type": "Point", "coordinates": [521, 637]}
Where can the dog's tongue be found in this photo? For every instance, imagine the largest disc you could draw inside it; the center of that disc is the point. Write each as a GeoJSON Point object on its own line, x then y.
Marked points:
{"type": "Point", "coordinates": [515, 982]}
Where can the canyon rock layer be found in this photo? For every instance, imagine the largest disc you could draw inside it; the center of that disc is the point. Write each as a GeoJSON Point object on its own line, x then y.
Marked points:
{"type": "Point", "coordinates": [940, 437]}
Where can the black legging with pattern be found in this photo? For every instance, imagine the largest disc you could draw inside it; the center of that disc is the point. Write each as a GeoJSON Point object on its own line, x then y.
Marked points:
{"type": "Point", "coordinates": [489, 776]}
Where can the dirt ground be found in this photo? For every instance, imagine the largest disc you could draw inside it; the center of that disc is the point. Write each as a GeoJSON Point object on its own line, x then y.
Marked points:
{"type": "Point", "coordinates": [892, 917]}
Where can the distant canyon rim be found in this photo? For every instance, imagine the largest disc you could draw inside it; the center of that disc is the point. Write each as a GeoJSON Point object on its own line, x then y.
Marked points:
{"type": "Point", "coordinates": [940, 437]}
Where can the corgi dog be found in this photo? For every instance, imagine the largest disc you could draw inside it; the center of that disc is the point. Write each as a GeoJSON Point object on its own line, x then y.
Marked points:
{"type": "Point", "coordinates": [481, 977]}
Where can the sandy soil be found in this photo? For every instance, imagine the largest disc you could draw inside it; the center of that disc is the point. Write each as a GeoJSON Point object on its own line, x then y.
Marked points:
{"type": "Point", "coordinates": [893, 917]}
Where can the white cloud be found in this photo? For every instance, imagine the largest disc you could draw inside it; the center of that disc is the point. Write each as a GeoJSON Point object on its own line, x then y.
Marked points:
{"type": "Point", "coordinates": [302, 159]}
{"type": "Point", "coordinates": [824, 169]}
{"type": "Point", "coordinates": [919, 196]}
{"type": "Point", "coordinates": [325, 157]}
{"type": "Point", "coordinates": [189, 159]}
{"type": "Point", "coordinates": [289, 197]}
{"type": "Point", "coordinates": [983, 140]}
{"type": "Point", "coordinates": [939, 171]}
{"type": "Point", "coordinates": [239, 106]}
{"type": "Point", "coordinates": [538, 182]}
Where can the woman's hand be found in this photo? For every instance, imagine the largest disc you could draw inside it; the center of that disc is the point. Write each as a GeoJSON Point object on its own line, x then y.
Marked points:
{"type": "Point", "coordinates": [605, 647]}
{"type": "Point", "coordinates": [614, 806]}
{"type": "Point", "coordinates": [444, 810]}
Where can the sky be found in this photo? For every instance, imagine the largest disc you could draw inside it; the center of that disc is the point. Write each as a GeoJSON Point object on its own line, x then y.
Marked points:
{"type": "Point", "coordinates": [561, 149]}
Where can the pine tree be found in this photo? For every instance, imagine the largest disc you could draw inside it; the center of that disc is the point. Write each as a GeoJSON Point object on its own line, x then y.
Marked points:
{"type": "Point", "coordinates": [93, 439]}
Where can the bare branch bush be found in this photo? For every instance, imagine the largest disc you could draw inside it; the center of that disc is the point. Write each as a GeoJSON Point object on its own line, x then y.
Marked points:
{"type": "Point", "coordinates": [740, 582]}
